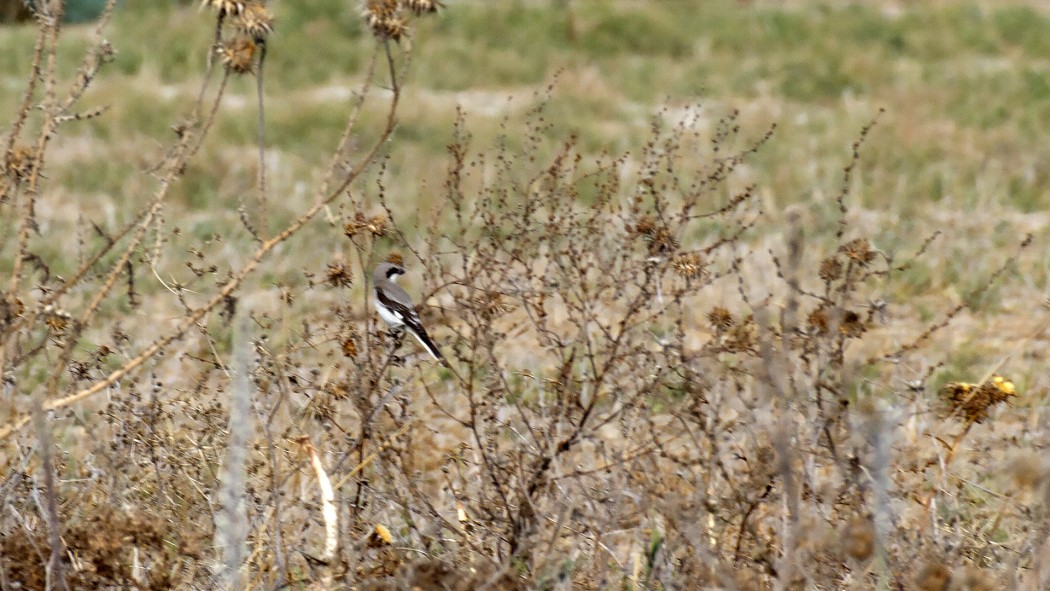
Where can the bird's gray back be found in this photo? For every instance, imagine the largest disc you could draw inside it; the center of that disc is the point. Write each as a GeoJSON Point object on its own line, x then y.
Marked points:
{"type": "Point", "coordinates": [393, 292]}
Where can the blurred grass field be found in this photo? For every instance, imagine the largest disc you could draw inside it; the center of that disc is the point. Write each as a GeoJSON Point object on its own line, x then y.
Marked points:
{"type": "Point", "coordinates": [965, 90]}
{"type": "Point", "coordinates": [963, 144]}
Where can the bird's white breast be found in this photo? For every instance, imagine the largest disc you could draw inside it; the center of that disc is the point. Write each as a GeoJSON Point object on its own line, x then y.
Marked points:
{"type": "Point", "coordinates": [391, 317]}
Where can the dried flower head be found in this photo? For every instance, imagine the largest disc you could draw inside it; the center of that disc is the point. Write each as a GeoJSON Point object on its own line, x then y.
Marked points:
{"type": "Point", "coordinates": [57, 320]}
{"type": "Point", "coordinates": [974, 401]}
{"type": "Point", "coordinates": [349, 346]}
{"type": "Point", "coordinates": [859, 251]}
{"type": "Point", "coordinates": [385, 19]}
{"type": "Point", "coordinates": [659, 238]}
{"type": "Point", "coordinates": [819, 320]}
{"type": "Point", "coordinates": [376, 225]}
{"type": "Point", "coordinates": [225, 7]}
{"type": "Point", "coordinates": [338, 274]}
{"type": "Point", "coordinates": [421, 7]}
{"type": "Point", "coordinates": [383, 534]}
{"type": "Point", "coordinates": [743, 336]}
{"type": "Point", "coordinates": [689, 265]}
{"type": "Point", "coordinates": [238, 54]}
{"type": "Point", "coordinates": [645, 226]}
{"type": "Point", "coordinates": [255, 21]}
{"type": "Point", "coordinates": [851, 324]}
{"type": "Point", "coordinates": [830, 269]}
{"type": "Point", "coordinates": [720, 319]}
{"type": "Point", "coordinates": [491, 304]}
{"type": "Point", "coordinates": [20, 162]}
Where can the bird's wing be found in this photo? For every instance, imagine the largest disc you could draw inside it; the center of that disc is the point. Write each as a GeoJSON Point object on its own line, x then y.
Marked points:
{"type": "Point", "coordinates": [397, 300]}
{"type": "Point", "coordinates": [399, 303]}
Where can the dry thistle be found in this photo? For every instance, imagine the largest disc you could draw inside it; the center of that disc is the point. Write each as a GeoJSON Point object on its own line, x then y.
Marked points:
{"type": "Point", "coordinates": [349, 346]}
{"type": "Point", "coordinates": [338, 274]}
{"type": "Point", "coordinates": [974, 401]}
{"type": "Point", "coordinates": [830, 269]}
{"type": "Point", "coordinates": [19, 164]}
{"type": "Point", "coordinates": [377, 225]}
{"type": "Point", "coordinates": [421, 7]}
{"type": "Point", "coordinates": [689, 265]}
{"type": "Point", "coordinates": [385, 19]}
{"type": "Point", "coordinates": [646, 226]}
{"type": "Point", "coordinates": [660, 239]}
{"type": "Point", "coordinates": [852, 325]}
{"type": "Point", "coordinates": [255, 21]}
{"type": "Point", "coordinates": [859, 251]}
{"type": "Point", "coordinates": [818, 320]}
{"type": "Point", "coordinates": [57, 320]}
{"type": "Point", "coordinates": [238, 54]}
{"type": "Point", "coordinates": [720, 319]}
{"type": "Point", "coordinates": [225, 7]}
{"type": "Point", "coordinates": [491, 304]}
{"type": "Point", "coordinates": [743, 336]}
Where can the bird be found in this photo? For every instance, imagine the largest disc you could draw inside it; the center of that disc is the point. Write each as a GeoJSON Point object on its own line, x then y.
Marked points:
{"type": "Point", "coordinates": [395, 306]}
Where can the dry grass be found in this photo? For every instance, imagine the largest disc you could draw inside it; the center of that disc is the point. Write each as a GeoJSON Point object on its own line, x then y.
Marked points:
{"type": "Point", "coordinates": [666, 370]}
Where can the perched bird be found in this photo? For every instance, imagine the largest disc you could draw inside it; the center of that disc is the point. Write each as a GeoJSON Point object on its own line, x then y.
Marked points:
{"type": "Point", "coordinates": [395, 306]}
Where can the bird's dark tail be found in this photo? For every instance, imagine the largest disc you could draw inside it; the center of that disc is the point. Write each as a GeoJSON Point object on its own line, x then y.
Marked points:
{"type": "Point", "coordinates": [421, 335]}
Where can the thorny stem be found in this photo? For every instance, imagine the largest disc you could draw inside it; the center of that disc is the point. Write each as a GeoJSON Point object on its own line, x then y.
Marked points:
{"type": "Point", "coordinates": [230, 286]}
{"type": "Point", "coordinates": [262, 136]}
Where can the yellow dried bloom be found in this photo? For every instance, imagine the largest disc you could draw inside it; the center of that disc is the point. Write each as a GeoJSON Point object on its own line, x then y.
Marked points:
{"type": "Point", "coordinates": [380, 536]}
{"type": "Point", "coordinates": [1004, 385]}
{"type": "Point", "coordinates": [974, 401]}
{"type": "Point", "coordinates": [255, 21]}
{"type": "Point", "coordinates": [238, 54]}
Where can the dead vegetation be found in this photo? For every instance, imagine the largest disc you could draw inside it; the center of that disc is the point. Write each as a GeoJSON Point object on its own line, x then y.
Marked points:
{"type": "Point", "coordinates": [653, 383]}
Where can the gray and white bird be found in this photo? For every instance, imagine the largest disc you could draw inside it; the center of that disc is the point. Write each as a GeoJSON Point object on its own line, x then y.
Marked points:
{"type": "Point", "coordinates": [395, 306]}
